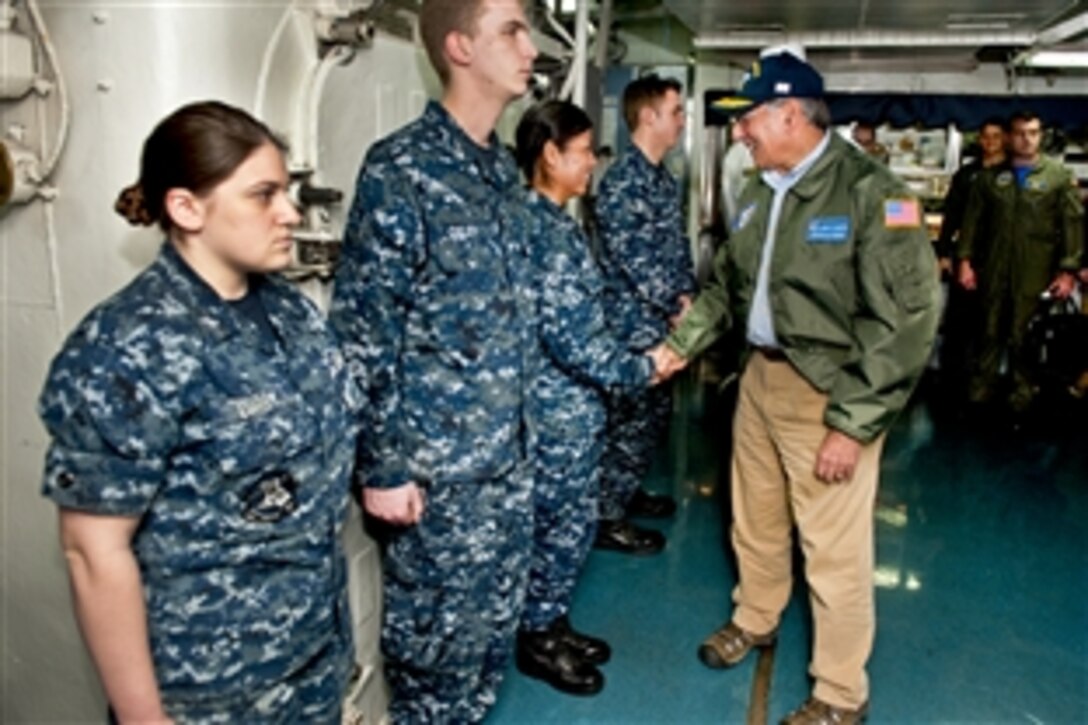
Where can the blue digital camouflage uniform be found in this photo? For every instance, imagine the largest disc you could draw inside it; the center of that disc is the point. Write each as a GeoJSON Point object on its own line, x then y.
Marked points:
{"type": "Point", "coordinates": [647, 263]}
{"type": "Point", "coordinates": [235, 452]}
{"type": "Point", "coordinates": [581, 359]}
{"type": "Point", "coordinates": [433, 298]}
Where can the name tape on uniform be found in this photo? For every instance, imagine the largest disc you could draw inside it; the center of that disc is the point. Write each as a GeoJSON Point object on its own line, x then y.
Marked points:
{"type": "Point", "coordinates": [828, 230]}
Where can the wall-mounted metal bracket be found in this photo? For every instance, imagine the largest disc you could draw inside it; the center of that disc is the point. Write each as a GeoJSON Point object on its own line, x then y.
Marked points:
{"type": "Point", "coordinates": [358, 28]}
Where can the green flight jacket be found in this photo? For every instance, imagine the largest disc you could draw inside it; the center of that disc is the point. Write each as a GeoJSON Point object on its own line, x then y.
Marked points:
{"type": "Point", "coordinates": [955, 203]}
{"type": "Point", "coordinates": [853, 286]}
{"type": "Point", "coordinates": [1018, 238]}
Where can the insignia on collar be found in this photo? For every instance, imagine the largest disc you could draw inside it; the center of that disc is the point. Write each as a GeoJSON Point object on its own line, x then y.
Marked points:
{"type": "Point", "coordinates": [744, 217]}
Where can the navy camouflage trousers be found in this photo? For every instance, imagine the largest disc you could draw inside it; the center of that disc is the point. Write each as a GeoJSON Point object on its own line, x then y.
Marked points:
{"type": "Point", "coordinates": [636, 424]}
{"type": "Point", "coordinates": [565, 489]}
{"type": "Point", "coordinates": [454, 591]}
{"type": "Point", "coordinates": [314, 694]}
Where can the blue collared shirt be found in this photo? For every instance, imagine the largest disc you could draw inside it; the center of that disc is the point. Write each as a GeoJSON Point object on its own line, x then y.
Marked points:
{"type": "Point", "coordinates": [760, 319]}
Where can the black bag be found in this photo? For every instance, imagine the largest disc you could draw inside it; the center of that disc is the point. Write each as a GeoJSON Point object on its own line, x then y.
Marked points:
{"type": "Point", "coordinates": [1056, 344]}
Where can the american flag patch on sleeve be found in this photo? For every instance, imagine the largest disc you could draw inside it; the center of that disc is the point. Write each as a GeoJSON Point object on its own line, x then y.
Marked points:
{"type": "Point", "coordinates": [902, 214]}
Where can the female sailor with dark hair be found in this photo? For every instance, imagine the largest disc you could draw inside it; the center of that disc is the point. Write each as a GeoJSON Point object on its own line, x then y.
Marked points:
{"type": "Point", "coordinates": [202, 424]}
{"type": "Point", "coordinates": [580, 361]}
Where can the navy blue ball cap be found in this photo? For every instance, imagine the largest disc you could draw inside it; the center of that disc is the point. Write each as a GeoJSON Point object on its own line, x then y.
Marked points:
{"type": "Point", "coordinates": [782, 75]}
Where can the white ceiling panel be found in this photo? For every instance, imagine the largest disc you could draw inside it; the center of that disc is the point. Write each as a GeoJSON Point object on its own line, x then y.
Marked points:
{"type": "Point", "coordinates": [856, 32]}
{"type": "Point", "coordinates": [808, 16]}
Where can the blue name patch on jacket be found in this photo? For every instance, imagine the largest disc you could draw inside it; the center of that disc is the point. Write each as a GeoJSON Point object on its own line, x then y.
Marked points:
{"type": "Point", "coordinates": [828, 230]}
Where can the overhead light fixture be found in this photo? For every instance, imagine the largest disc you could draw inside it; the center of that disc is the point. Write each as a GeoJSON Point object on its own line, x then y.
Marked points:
{"type": "Point", "coordinates": [978, 26]}
{"type": "Point", "coordinates": [984, 17]}
{"type": "Point", "coordinates": [1056, 59]}
{"type": "Point", "coordinates": [977, 22]}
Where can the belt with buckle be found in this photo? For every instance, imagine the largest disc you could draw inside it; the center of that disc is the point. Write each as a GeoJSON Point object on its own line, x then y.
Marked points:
{"type": "Point", "coordinates": [771, 353]}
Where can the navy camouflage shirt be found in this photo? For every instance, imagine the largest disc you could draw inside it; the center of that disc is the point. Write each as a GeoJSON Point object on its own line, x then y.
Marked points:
{"type": "Point", "coordinates": [433, 299]}
{"type": "Point", "coordinates": [234, 450]}
{"type": "Point", "coordinates": [580, 355]}
{"type": "Point", "coordinates": [645, 253]}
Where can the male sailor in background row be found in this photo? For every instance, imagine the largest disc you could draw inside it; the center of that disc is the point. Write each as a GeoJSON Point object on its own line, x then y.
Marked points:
{"type": "Point", "coordinates": [646, 260]}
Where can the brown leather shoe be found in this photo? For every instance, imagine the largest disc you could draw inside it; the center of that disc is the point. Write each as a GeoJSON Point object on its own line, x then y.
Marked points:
{"type": "Point", "coordinates": [818, 712]}
{"type": "Point", "coordinates": [730, 645]}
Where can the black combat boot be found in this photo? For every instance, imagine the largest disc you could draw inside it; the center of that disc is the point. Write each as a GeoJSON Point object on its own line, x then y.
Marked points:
{"type": "Point", "coordinates": [591, 649]}
{"type": "Point", "coordinates": [651, 505]}
{"type": "Point", "coordinates": [627, 538]}
{"type": "Point", "coordinates": [545, 656]}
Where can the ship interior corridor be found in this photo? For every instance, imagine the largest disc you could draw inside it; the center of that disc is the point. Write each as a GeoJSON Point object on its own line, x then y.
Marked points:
{"type": "Point", "coordinates": [981, 571]}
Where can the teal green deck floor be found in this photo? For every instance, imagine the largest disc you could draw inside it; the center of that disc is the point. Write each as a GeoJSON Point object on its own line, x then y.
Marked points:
{"type": "Point", "coordinates": [981, 582]}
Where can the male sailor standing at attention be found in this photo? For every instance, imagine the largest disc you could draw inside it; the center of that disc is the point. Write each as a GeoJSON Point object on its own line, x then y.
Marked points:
{"type": "Point", "coordinates": [434, 303]}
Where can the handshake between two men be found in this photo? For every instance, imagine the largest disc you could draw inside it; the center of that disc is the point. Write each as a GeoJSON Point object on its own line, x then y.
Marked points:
{"type": "Point", "coordinates": [667, 362]}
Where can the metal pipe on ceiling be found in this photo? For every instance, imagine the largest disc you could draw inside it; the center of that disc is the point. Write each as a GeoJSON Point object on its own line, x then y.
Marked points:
{"type": "Point", "coordinates": [604, 27]}
{"type": "Point", "coordinates": [853, 39]}
{"type": "Point", "coordinates": [581, 52]}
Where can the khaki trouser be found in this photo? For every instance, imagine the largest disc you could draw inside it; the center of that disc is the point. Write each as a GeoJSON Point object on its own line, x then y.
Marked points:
{"type": "Point", "coordinates": [778, 430]}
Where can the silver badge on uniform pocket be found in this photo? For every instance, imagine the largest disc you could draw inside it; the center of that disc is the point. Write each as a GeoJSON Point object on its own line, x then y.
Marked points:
{"type": "Point", "coordinates": [271, 499]}
{"type": "Point", "coordinates": [252, 405]}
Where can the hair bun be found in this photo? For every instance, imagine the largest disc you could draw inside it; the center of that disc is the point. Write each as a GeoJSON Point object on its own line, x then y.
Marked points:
{"type": "Point", "coordinates": [130, 204]}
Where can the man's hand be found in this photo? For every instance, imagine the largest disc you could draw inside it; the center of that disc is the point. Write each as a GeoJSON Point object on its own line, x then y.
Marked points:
{"type": "Point", "coordinates": [967, 277]}
{"type": "Point", "coordinates": [837, 458]}
{"type": "Point", "coordinates": [666, 363]}
{"type": "Point", "coordinates": [402, 505]}
{"type": "Point", "coordinates": [684, 301]}
{"type": "Point", "coordinates": [1063, 285]}
{"type": "Point", "coordinates": [1083, 275]}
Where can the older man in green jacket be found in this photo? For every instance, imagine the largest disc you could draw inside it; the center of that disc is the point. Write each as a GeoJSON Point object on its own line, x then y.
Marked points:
{"type": "Point", "coordinates": [830, 272]}
{"type": "Point", "coordinates": [1021, 235]}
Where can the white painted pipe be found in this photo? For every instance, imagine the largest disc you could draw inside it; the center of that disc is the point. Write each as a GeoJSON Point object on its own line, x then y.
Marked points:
{"type": "Point", "coordinates": [50, 163]}
{"type": "Point", "coordinates": [603, 29]}
{"type": "Point", "coordinates": [581, 52]}
{"type": "Point", "coordinates": [266, 61]}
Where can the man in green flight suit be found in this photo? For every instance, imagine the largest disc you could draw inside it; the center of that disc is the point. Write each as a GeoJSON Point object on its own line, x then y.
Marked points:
{"type": "Point", "coordinates": [830, 273]}
{"type": "Point", "coordinates": [963, 316]}
{"type": "Point", "coordinates": [1021, 235]}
